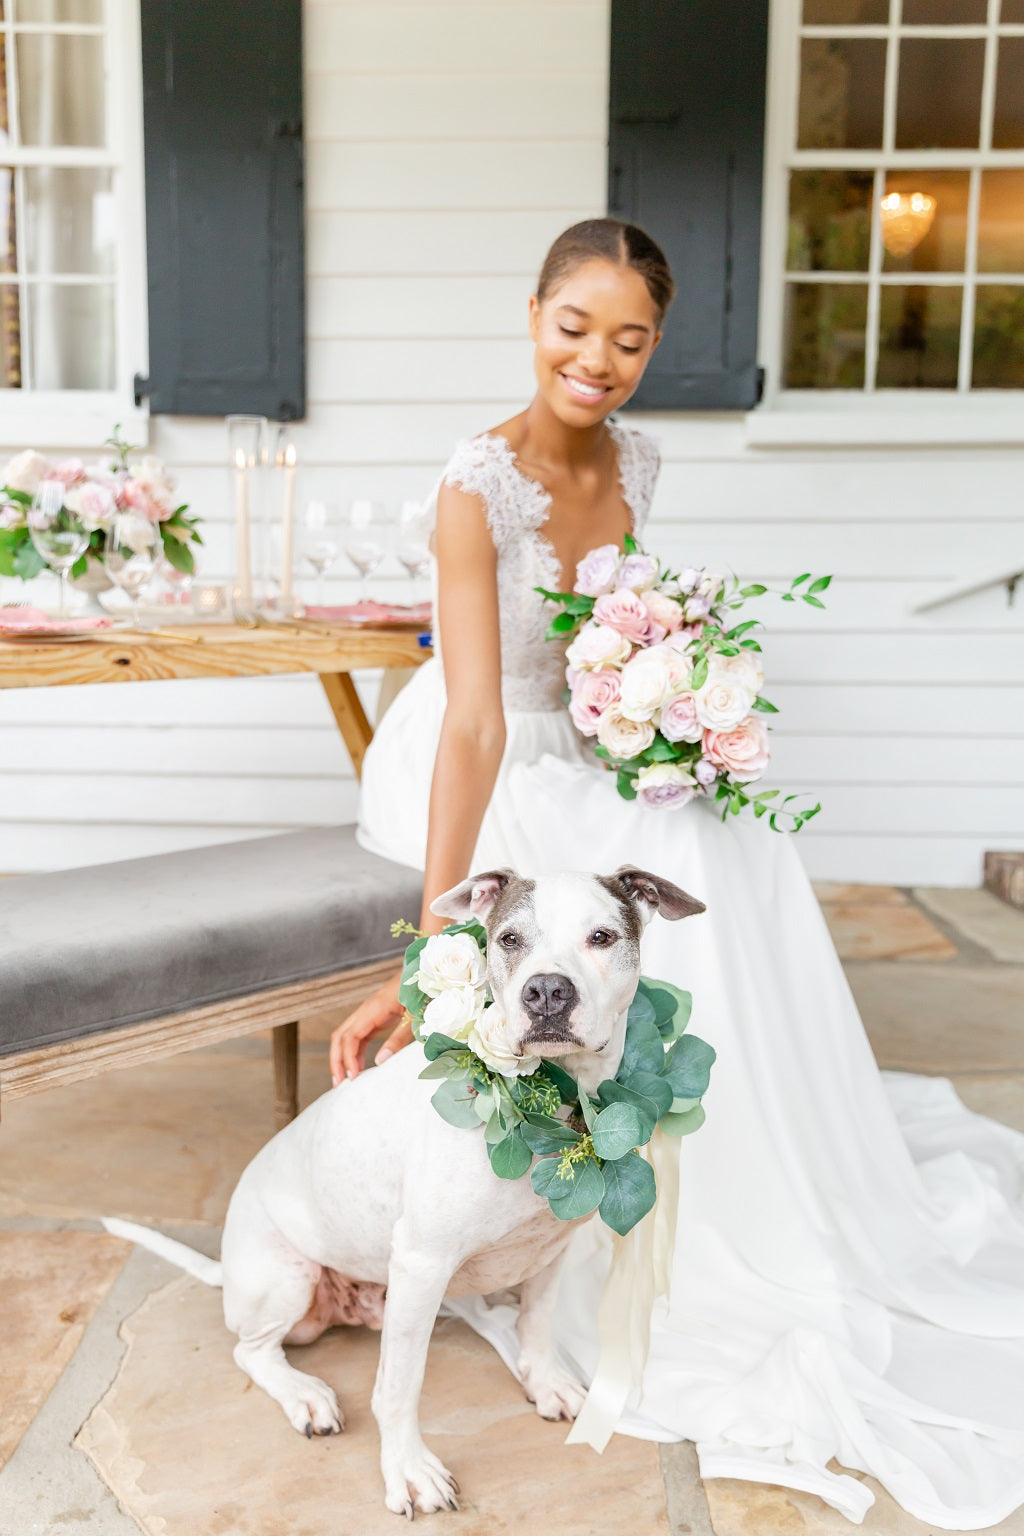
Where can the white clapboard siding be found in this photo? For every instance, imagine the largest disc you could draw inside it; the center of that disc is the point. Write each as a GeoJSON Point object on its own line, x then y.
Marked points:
{"type": "Point", "coordinates": [447, 144]}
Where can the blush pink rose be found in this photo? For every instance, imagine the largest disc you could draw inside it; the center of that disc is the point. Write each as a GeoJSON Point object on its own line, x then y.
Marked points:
{"type": "Point", "coordinates": [626, 613]}
{"type": "Point", "coordinates": [592, 692]}
{"type": "Point", "coordinates": [742, 751]}
{"type": "Point", "coordinates": [679, 719]}
{"type": "Point", "coordinates": [663, 610]}
{"type": "Point", "coordinates": [597, 645]}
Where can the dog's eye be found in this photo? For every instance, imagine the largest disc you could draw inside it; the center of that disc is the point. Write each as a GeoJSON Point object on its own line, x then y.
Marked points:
{"type": "Point", "coordinates": [602, 937]}
{"type": "Point", "coordinates": [509, 940]}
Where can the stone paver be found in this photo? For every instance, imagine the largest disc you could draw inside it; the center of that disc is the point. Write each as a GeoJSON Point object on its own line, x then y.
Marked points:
{"type": "Point", "coordinates": [942, 1019]}
{"type": "Point", "coordinates": [752, 1509]}
{"type": "Point", "coordinates": [1001, 1098]}
{"type": "Point", "coordinates": [829, 891]}
{"type": "Point", "coordinates": [868, 931]}
{"type": "Point", "coordinates": [50, 1286]}
{"type": "Point", "coordinates": [996, 926]}
{"type": "Point", "coordinates": [191, 1448]}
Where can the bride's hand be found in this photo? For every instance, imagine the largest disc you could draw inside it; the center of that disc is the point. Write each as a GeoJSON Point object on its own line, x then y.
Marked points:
{"type": "Point", "coordinates": [380, 1011]}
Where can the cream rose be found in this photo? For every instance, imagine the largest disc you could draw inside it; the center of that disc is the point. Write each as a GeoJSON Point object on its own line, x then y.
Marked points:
{"type": "Point", "coordinates": [723, 702]}
{"type": "Point", "coordinates": [622, 737]}
{"type": "Point", "coordinates": [743, 751]}
{"type": "Point", "coordinates": [25, 471]}
{"type": "Point", "coordinates": [492, 1040]}
{"type": "Point", "coordinates": [746, 667]}
{"type": "Point", "coordinates": [449, 960]}
{"type": "Point", "coordinates": [646, 685]}
{"type": "Point", "coordinates": [135, 531]}
{"type": "Point", "coordinates": [454, 1012]}
{"type": "Point", "coordinates": [597, 645]}
{"type": "Point", "coordinates": [663, 610]}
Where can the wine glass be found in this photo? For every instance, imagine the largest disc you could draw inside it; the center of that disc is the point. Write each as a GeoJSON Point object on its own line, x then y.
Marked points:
{"type": "Point", "coordinates": [412, 546]}
{"type": "Point", "coordinates": [134, 553]}
{"type": "Point", "coordinates": [319, 542]}
{"type": "Point", "coordinates": [59, 535]}
{"type": "Point", "coordinates": [362, 548]}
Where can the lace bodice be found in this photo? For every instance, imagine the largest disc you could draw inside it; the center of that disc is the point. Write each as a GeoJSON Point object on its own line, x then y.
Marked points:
{"type": "Point", "coordinates": [533, 668]}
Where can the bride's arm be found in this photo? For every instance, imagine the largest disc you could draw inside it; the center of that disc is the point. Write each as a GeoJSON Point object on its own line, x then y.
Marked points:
{"type": "Point", "coordinates": [469, 750]}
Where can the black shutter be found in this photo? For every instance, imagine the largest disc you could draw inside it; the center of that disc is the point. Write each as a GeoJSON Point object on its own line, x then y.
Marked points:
{"type": "Point", "coordinates": [222, 88]}
{"type": "Point", "coordinates": [685, 160]}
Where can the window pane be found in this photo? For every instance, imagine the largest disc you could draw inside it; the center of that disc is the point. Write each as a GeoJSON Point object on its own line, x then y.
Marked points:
{"type": "Point", "coordinates": [71, 335]}
{"type": "Point", "coordinates": [824, 335]}
{"type": "Point", "coordinates": [939, 93]}
{"type": "Point", "coordinates": [945, 13]}
{"type": "Point", "coordinates": [841, 93]}
{"type": "Point", "coordinates": [10, 336]}
{"type": "Point", "coordinates": [919, 238]}
{"type": "Point", "coordinates": [8, 224]}
{"type": "Point", "coordinates": [1012, 11]}
{"type": "Point", "coordinates": [89, 11]}
{"type": "Point", "coordinates": [70, 220]}
{"type": "Point", "coordinates": [829, 221]}
{"type": "Point", "coordinates": [1008, 125]}
{"type": "Point", "coordinates": [845, 13]}
{"type": "Point", "coordinates": [919, 338]}
{"type": "Point", "coordinates": [1001, 222]}
{"type": "Point", "coordinates": [60, 88]}
{"type": "Point", "coordinates": [998, 337]}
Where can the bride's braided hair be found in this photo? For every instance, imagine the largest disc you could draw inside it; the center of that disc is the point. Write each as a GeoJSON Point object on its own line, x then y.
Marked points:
{"type": "Point", "coordinates": [624, 245]}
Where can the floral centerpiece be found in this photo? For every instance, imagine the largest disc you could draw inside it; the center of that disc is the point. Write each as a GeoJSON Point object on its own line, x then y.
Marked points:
{"type": "Point", "coordinates": [669, 684]}
{"type": "Point", "coordinates": [587, 1149]}
{"type": "Point", "coordinates": [137, 495]}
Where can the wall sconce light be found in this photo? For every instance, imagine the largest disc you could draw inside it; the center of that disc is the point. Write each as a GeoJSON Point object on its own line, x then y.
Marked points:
{"type": "Point", "coordinates": [906, 219]}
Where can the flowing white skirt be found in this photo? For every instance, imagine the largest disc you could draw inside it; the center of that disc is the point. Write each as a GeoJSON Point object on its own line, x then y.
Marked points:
{"type": "Point", "coordinates": [848, 1278]}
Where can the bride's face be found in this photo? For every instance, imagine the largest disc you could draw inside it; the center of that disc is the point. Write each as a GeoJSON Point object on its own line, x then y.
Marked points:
{"type": "Point", "coordinates": [593, 335]}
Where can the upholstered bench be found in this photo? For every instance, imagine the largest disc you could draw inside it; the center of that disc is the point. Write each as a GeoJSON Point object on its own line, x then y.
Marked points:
{"type": "Point", "coordinates": [115, 964]}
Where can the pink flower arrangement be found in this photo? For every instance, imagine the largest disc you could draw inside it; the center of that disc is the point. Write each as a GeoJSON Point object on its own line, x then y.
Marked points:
{"type": "Point", "coordinates": [668, 685]}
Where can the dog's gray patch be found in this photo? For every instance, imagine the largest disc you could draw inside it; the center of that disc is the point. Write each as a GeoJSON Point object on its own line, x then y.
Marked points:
{"type": "Point", "coordinates": [627, 906]}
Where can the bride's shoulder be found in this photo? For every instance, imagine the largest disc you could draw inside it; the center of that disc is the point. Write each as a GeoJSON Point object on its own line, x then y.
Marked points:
{"type": "Point", "coordinates": [486, 467]}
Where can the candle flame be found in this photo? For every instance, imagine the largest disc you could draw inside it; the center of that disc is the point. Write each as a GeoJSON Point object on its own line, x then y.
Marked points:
{"type": "Point", "coordinates": [239, 458]}
{"type": "Point", "coordinates": [290, 456]}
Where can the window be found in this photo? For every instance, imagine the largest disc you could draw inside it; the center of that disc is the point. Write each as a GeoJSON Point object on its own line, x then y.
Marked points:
{"type": "Point", "coordinates": [72, 248]}
{"type": "Point", "coordinates": [894, 251]}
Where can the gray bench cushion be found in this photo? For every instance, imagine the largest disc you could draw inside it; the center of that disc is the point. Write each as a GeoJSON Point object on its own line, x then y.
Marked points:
{"type": "Point", "coordinates": [112, 944]}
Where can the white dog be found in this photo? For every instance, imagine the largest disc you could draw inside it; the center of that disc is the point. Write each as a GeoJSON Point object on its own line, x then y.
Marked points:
{"type": "Point", "coordinates": [370, 1194]}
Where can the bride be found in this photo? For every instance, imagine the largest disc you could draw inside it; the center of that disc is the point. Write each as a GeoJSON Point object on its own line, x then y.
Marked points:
{"type": "Point", "coordinates": [847, 1286]}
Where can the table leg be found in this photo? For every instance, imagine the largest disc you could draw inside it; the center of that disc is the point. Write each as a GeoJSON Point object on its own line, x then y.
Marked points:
{"type": "Point", "coordinates": [349, 714]}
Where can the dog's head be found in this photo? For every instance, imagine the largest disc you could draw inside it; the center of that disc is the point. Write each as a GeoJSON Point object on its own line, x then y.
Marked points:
{"type": "Point", "coordinates": [563, 953]}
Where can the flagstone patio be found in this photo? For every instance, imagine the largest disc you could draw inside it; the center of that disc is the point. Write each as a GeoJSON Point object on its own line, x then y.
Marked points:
{"type": "Point", "coordinates": [120, 1407]}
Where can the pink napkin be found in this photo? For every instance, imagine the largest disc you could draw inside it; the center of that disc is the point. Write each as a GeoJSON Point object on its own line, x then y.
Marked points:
{"type": "Point", "coordinates": [413, 615]}
{"type": "Point", "coordinates": [16, 621]}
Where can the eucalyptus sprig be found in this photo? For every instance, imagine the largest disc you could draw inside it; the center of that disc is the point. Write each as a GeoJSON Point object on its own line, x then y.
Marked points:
{"type": "Point", "coordinates": [582, 1152]}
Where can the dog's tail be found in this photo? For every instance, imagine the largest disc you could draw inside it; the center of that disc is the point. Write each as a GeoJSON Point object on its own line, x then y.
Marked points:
{"type": "Point", "coordinates": [189, 1259]}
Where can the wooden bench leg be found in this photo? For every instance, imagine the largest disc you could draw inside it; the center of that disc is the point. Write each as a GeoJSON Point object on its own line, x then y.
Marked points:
{"type": "Point", "coordinates": [286, 1073]}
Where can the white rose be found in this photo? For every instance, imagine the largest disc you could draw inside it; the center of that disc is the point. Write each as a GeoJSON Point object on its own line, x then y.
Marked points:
{"type": "Point", "coordinates": [723, 702]}
{"type": "Point", "coordinates": [746, 667]}
{"type": "Point", "coordinates": [136, 532]}
{"type": "Point", "coordinates": [647, 683]}
{"type": "Point", "coordinates": [25, 471]}
{"type": "Point", "coordinates": [675, 658]}
{"type": "Point", "coordinates": [449, 960]}
{"type": "Point", "coordinates": [492, 1041]}
{"type": "Point", "coordinates": [597, 645]}
{"type": "Point", "coordinates": [454, 1012]}
{"type": "Point", "coordinates": [93, 503]}
{"type": "Point", "coordinates": [621, 737]}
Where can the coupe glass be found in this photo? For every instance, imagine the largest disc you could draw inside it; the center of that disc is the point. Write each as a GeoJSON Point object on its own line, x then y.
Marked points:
{"type": "Point", "coordinates": [133, 555]}
{"type": "Point", "coordinates": [412, 544]}
{"type": "Point", "coordinates": [319, 542]}
{"type": "Point", "coordinates": [58, 534]}
{"type": "Point", "coordinates": [362, 546]}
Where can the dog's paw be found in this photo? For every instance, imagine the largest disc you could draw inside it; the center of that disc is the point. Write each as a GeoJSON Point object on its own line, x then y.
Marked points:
{"type": "Point", "coordinates": [312, 1408]}
{"type": "Point", "coordinates": [554, 1394]}
{"type": "Point", "coordinates": [419, 1481]}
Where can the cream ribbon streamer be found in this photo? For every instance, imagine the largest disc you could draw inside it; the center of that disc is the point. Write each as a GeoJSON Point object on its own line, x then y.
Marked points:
{"type": "Point", "coordinates": [640, 1272]}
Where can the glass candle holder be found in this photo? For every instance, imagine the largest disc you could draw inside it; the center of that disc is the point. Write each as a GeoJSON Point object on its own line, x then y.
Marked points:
{"type": "Point", "coordinates": [280, 541]}
{"type": "Point", "coordinates": [247, 455]}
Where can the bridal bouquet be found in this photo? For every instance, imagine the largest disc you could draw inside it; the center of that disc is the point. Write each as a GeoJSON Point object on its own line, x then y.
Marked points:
{"type": "Point", "coordinates": [586, 1149]}
{"type": "Point", "coordinates": [134, 494]}
{"type": "Point", "coordinates": [668, 684]}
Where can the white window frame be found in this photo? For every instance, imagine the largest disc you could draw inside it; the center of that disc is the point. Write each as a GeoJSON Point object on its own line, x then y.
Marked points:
{"type": "Point", "coordinates": [866, 417]}
{"type": "Point", "coordinates": [83, 418]}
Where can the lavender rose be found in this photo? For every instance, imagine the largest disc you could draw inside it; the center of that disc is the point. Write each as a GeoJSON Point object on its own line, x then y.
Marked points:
{"type": "Point", "coordinates": [705, 771]}
{"type": "Point", "coordinates": [664, 786]}
{"type": "Point", "coordinates": [679, 719]}
{"type": "Point", "coordinates": [598, 571]}
{"type": "Point", "coordinates": [638, 572]}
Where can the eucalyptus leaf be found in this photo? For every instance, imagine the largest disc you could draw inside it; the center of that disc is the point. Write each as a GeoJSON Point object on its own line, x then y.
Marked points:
{"type": "Point", "coordinates": [654, 1087]}
{"type": "Point", "coordinates": [590, 1110]}
{"type": "Point", "coordinates": [630, 1192]}
{"type": "Point", "coordinates": [436, 1043]}
{"type": "Point", "coordinates": [684, 1124]}
{"type": "Point", "coordinates": [616, 1130]}
{"type": "Point", "coordinates": [510, 1157]}
{"type": "Point", "coordinates": [584, 1191]}
{"type": "Point", "coordinates": [444, 1066]}
{"type": "Point", "coordinates": [494, 1131]}
{"type": "Point", "coordinates": [641, 1009]}
{"type": "Point", "coordinates": [611, 1092]}
{"type": "Point", "coordinates": [644, 1050]}
{"type": "Point", "coordinates": [542, 1140]}
{"type": "Point", "coordinates": [544, 1174]}
{"type": "Point", "coordinates": [563, 1080]}
{"type": "Point", "coordinates": [412, 999]}
{"type": "Point", "coordinates": [456, 1103]}
{"type": "Point", "coordinates": [688, 1067]}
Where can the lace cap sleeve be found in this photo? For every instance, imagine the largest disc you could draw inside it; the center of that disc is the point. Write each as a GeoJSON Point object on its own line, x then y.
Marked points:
{"type": "Point", "coordinates": [486, 467]}
{"type": "Point", "coordinates": [639, 463]}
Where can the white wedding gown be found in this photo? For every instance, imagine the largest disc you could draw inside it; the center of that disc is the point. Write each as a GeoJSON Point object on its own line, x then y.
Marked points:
{"type": "Point", "coordinates": [848, 1275]}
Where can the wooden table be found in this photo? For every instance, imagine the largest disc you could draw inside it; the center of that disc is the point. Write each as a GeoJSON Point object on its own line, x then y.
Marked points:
{"type": "Point", "coordinates": [332, 651]}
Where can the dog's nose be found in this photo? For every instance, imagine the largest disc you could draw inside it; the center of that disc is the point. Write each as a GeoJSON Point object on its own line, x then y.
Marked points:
{"type": "Point", "coordinates": [545, 996]}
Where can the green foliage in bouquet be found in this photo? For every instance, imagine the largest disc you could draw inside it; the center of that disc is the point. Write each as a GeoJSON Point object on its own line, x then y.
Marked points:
{"type": "Point", "coordinates": [586, 1148]}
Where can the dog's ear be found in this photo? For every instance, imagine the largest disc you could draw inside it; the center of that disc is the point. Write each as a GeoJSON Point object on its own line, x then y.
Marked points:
{"type": "Point", "coordinates": [650, 893]}
{"type": "Point", "coordinates": [474, 897]}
